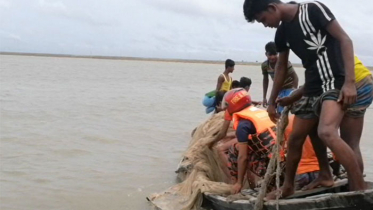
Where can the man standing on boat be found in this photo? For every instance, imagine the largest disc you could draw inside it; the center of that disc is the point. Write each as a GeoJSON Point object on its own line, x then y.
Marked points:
{"type": "Point", "coordinates": [268, 68]}
{"type": "Point", "coordinates": [330, 92]}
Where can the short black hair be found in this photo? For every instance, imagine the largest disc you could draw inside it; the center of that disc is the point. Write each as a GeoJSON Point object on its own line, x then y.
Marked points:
{"type": "Point", "coordinates": [253, 7]}
{"type": "Point", "coordinates": [292, 2]}
{"type": "Point", "coordinates": [244, 81]}
{"type": "Point", "coordinates": [271, 48]}
{"type": "Point", "coordinates": [229, 63]}
{"type": "Point", "coordinates": [235, 84]}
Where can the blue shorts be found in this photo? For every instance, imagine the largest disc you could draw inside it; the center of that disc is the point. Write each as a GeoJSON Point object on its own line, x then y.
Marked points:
{"type": "Point", "coordinates": [283, 93]}
{"type": "Point", "coordinates": [208, 101]}
{"type": "Point", "coordinates": [310, 107]}
{"type": "Point", "coordinates": [210, 109]}
{"type": "Point", "coordinates": [364, 98]}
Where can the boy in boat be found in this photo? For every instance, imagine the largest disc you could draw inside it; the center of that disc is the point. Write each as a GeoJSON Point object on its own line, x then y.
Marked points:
{"type": "Point", "coordinates": [224, 83]}
{"type": "Point", "coordinates": [255, 134]}
{"type": "Point", "coordinates": [268, 68]}
{"type": "Point", "coordinates": [235, 84]}
{"type": "Point", "coordinates": [311, 31]}
{"type": "Point", "coordinates": [244, 83]}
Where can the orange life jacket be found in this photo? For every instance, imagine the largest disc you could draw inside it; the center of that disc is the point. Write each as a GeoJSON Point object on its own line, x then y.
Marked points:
{"type": "Point", "coordinates": [308, 162]}
{"type": "Point", "coordinates": [260, 143]}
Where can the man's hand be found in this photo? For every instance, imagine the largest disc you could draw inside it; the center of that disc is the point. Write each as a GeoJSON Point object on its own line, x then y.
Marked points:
{"type": "Point", "coordinates": [347, 95]}
{"type": "Point", "coordinates": [236, 188]}
{"type": "Point", "coordinates": [272, 113]}
{"type": "Point", "coordinates": [285, 101]}
{"type": "Point", "coordinates": [265, 103]}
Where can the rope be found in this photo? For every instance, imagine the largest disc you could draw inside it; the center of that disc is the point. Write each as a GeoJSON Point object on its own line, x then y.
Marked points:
{"type": "Point", "coordinates": [275, 161]}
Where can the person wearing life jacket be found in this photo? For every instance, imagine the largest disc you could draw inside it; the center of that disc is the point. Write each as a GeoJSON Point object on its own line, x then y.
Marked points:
{"type": "Point", "coordinates": [224, 83]}
{"type": "Point", "coordinates": [256, 135]}
{"type": "Point", "coordinates": [230, 140]}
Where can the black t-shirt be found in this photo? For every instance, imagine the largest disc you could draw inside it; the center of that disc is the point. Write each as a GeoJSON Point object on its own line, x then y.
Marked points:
{"type": "Point", "coordinates": [320, 53]}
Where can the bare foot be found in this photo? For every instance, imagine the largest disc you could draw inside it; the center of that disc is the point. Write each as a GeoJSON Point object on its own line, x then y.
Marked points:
{"type": "Point", "coordinates": [285, 192]}
{"type": "Point", "coordinates": [320, 181]}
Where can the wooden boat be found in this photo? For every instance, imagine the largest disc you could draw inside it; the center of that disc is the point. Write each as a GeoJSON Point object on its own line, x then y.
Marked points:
{"type": "Point", "coordinates": [336, 197]}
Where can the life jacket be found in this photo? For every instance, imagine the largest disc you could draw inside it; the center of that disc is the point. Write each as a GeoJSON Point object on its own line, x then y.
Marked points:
{"type": "Point", "coordinates": [308, 162]}
{"type": "Point", "coordinates": [260, 143]}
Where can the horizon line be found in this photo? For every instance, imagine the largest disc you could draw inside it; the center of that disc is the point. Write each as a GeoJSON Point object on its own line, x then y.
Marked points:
{"type": "Point", "coordinates": [179, 60]}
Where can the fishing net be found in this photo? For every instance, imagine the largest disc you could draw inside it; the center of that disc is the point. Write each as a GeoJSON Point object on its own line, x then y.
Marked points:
{"type": "Point", "coordinates": [199, 171]}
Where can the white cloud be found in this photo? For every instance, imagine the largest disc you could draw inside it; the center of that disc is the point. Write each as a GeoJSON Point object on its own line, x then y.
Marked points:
{"type": "Point", "coordinates": [5, 4]}
{"type": "Point", "coordinates": [59, 8]}
{"type": "Point", "coordinates": [206, 8]}
{"type": "Point", "coordinates": [192, 29]}
{"type": "Point", "coordinates": [10, 36]}
{"type": "Point", "coordinates": [52, 6]}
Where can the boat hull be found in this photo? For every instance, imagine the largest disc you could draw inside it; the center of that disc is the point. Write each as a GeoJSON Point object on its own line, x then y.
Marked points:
{"type": "Point", "coordinates": [325, 200]}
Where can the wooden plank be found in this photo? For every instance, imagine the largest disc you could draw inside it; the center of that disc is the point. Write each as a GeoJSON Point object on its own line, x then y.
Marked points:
{"type": "Point", "coordinates": [301, 193]}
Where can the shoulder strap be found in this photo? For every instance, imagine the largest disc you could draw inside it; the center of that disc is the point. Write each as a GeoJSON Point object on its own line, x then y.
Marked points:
{"type": "Point", "coordinates": [225, 78]}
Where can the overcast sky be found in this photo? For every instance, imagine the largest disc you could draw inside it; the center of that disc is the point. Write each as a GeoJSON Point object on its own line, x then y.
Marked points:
{"type": "Point", "coordinates": [189, 29]}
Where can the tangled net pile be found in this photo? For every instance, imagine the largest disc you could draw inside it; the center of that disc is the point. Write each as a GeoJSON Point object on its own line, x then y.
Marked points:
{"type": "Point", "coordinates": [199, 171]}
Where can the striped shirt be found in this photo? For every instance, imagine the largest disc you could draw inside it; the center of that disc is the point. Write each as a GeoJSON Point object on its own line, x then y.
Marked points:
{"type": "Point", "coordinates": [267, 69]}
{"type": "Point", "coordinates": [321, 55]}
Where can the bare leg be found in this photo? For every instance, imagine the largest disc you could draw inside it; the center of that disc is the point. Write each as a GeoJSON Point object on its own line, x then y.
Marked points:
{"type": "Point", "coordinates": [251, 178]}
{"type": "Point", "coordinates": [351, 130]}
{"type": "Point", "coordinates": [325, 177]}
{"type": "Point", "coordinates": [330, 120]}
{"type": "Point", "coordinates": [301, 128]}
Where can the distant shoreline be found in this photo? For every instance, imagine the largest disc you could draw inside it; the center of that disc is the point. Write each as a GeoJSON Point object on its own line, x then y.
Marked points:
{"type": "Point", "coordinates": [131, 58]}
{"type": "Point", "coordinates": [141, 59]}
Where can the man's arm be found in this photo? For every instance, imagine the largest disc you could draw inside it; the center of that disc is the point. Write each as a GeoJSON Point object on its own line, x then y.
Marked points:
{"type": "Point", "coordinates": [280, 76]}
{"type": "Point", "coordinates": [325, 18]}
{"type": "Point", "coordinates": [265, 88]}
{"type": "Point", "coordinates": [348, 92]}
{"type": "Point", "coordinates": [295, 96]}
{"type": "Point", "coordinates": [219, 83]}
